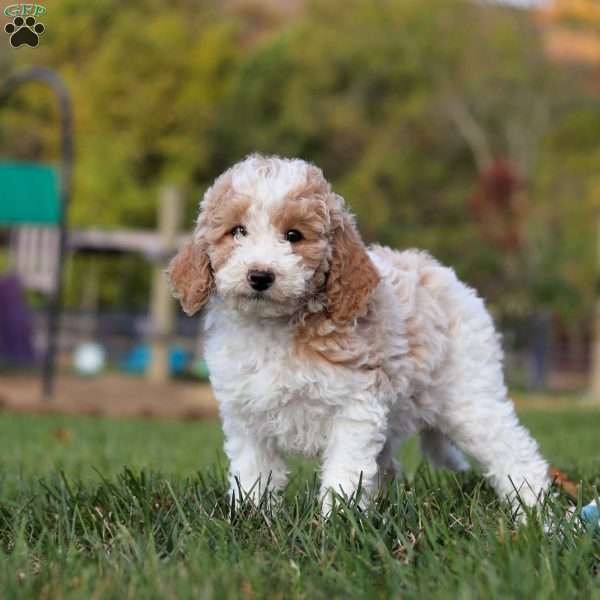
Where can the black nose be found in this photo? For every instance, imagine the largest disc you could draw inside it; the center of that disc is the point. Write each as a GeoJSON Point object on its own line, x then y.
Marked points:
{"type": "Point", "coordinates": [260, 280]}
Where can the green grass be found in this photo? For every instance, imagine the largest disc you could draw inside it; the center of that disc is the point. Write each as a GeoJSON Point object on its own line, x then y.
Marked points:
{"type": "Point", "coordinates": [94, 508]}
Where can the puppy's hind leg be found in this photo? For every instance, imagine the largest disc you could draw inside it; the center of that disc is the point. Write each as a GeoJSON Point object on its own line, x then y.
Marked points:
{"type": "Point", "coordinates": [484, 425]}
{"type": "Point", "coordinates": [474, 411]}
{"type": "Point", "coordinates": [439, 451]}
{"type": "Point", "coordinates": [388, 467]}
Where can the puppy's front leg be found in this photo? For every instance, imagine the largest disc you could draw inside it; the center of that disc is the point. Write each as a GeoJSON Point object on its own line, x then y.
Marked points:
{"type": "Point", "coordinates": [351, 455]}
{"type": "Point", "coordinates": [254, 463]}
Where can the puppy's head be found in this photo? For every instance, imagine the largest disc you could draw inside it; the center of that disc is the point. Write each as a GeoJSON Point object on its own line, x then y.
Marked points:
{"type": "Point", "coordinates": [273, 239]}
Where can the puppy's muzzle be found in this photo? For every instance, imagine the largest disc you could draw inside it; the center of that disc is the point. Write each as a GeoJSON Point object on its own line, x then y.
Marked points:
{"type": "Point", "coordinates": [260, 280]}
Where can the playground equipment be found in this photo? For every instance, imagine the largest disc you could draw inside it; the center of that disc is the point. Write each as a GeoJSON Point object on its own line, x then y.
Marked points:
{"type": "Point", "coordinates": [162, 307]}
{"type": "Point", "coordinates": [156, 360]}
{"type": "Point", "coordinates": [36, 194]}
{"type": "Point", "coordinates": [15, 324]}
{"type": "Point", "coordinates": [34, 201]}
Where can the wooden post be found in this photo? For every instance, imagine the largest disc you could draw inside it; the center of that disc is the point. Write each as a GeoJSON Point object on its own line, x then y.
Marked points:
{"type": "Point", "coordinates": [594, 391]}
{"type": "Point", "coordinates": [162, 307]}
{"type": "Point", "coordinates": [90, 296]}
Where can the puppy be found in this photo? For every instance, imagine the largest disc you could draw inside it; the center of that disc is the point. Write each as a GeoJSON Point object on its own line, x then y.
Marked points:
{"type": "Point", "coordinates": [319, 346]}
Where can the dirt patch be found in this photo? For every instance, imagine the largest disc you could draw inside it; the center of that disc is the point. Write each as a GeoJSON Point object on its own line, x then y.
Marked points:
{"type": "Point", "coordinates": [553, 401]}
{"type": "Point", "coordinates": [118, 395]}
{"type": "Point", "coordinates": [111, 395]}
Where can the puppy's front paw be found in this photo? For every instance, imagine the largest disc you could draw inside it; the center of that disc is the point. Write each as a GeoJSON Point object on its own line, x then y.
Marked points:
{"type": "Point", "coordinates": [254, 493]}
{"type": "Point", "coordinates": [328, 501]}
{"type": "Point", "coordinates": [331, 497]}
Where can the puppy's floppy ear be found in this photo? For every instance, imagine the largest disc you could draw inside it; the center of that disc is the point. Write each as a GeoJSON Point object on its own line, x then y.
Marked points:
{"type": "Point", "coordinates": [191, 277]}
{"type": "Point", "coordinates": [190, 272]}
{"type": "Point", "coordinates": [352, 275]}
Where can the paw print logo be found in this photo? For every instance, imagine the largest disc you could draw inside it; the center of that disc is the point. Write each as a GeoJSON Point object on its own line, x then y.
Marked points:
{"type": "Point", "coordinates": [24, 32]}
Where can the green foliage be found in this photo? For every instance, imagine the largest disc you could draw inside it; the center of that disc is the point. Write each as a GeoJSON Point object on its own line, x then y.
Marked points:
{"type": "Point", "coordinates": [169, 531]}
{"type": "Point", "coordinates": [146, 83]}
{"type": "Point", "coordinates": [402, 103]}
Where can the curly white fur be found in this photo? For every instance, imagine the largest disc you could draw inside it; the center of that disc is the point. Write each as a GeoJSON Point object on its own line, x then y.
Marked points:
{"type": "Point", "coordinates": [420, 356]}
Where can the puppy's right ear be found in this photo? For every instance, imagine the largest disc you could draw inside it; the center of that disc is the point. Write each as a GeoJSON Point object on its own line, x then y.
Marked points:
{"type": "Point", "coordinates": [191, 276]}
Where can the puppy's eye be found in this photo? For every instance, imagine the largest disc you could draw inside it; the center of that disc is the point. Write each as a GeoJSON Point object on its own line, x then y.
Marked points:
{"type": "Point", "coordinates": [238, 231]}
{"type": "Point", "coordinates": [293, 236]}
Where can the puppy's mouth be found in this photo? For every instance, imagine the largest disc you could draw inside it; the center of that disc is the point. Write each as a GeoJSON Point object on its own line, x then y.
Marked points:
{"type": "Point", "coordinates": [261, 304]}
{"type": "Point", "coordinates": [265, 299]}
{"type": "Point", "coordinates": [258, 297]}
{"type": "Point", "coordinates": [261, 297]}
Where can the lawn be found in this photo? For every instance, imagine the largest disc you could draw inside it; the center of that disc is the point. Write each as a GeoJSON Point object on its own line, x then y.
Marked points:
{"type": "Point", "coordinates": [98, 508]}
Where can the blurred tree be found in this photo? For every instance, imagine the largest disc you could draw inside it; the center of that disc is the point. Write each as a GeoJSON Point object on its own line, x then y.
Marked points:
{"type": "Point", "coordinates": [573, 37]}
{"type": "Point", "coordinates": [147, 81]}
{"type": "Point", "coordinates": [353, 91]}
{"type": "Point", "coordinates": [442, 123]}
{"type": "Point", "coordinates": [503, 115]}
{"type": "Point", "coordinates": [406, 105]}
{"type": "Point", "coordinates": [572, 31]}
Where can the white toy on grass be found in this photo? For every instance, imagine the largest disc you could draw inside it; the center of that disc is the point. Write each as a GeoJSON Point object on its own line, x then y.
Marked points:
{"type": "Point", "coordinates": [89, 358]}
{"type": "Point", "coordinates": [590, 513]}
